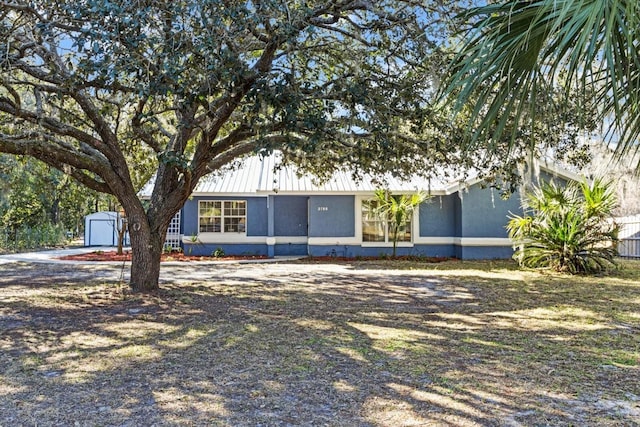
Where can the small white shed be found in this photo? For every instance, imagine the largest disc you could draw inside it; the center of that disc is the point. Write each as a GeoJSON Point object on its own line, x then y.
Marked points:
{"type": "Point", "coordinates": [101, 229]}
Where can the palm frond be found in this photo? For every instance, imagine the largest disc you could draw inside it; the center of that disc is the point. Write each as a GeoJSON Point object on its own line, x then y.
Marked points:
{"type": "Point", "coordinates": [566, 228]}
{"type": "Point", "coordinates": [514, 48]}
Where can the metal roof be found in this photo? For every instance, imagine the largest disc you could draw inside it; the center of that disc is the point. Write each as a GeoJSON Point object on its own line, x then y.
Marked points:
{"type": "Point", "coordinates": [265, 175]}
{"type": "Point", "coordinates": [258, 174]}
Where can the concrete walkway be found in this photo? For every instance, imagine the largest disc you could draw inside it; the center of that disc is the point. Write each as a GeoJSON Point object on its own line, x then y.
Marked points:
{"type": "Point", "coordinates": [52, 257]}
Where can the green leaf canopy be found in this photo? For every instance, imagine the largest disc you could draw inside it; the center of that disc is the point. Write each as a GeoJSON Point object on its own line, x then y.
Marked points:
{"type": "Point", "coordinates": [114, 91]}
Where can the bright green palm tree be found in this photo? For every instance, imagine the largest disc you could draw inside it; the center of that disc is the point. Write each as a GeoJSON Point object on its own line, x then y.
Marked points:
{"type": "Point", "coordinates": [567, 228]}
{"type": "Point", "coordinates": [514, 49]}
{"type": "Point", "coordinates": [396, 210]}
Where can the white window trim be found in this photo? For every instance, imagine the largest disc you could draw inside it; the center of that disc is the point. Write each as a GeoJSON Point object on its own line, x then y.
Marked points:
{"type": "Point", "coordinates": [202, 234]}
{"type": "Point", "coordinates": [415, 228]}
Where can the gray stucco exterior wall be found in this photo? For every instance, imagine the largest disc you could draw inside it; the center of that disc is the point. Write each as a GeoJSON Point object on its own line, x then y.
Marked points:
{"type": "Point", "coordinates": [437, 216]}
{"type": "Point", "coordinates": [190, 216]}
{"type": "Point", "coordinates": [484, 252]}
{"type": "Point", "coordinates": [484, 214]}
{"type": "Point", "coordinates": [290, 215]}
{"type": "Point", "coordinates": [257, 216]}
{"type": "Point", "coordinates": [332, 216]}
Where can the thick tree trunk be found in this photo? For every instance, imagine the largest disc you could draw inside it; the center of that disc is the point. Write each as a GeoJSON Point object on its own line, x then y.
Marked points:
{"type": "Point", "coordinates": [146, 248]}
{"type": "Point", "coordinates": [148, 228]}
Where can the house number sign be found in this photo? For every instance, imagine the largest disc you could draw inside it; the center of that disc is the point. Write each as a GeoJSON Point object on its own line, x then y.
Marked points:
{"type": "Point", "coordinates": [323, 208]}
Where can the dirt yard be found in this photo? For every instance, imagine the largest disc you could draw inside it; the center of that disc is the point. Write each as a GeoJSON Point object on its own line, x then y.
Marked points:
{"type": "Point", "coordinates": [317, 344]}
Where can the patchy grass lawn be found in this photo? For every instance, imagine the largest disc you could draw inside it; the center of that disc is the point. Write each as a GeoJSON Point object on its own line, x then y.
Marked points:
{"type": "Point", "coordinates": [361, 344]}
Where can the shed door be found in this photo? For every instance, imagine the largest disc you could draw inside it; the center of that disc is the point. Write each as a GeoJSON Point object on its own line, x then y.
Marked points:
{"type": "Point", "coordinates": [101, 232]}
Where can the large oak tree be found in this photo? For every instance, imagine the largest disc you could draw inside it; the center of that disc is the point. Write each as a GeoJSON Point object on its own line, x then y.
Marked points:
{"type": "Point", "coordinates": [100, 89]}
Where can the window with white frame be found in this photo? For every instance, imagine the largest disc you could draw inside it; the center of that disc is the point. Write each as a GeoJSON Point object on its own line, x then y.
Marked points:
{"type": "Point", "coordinates": [376, 228]}
{"type": "Point", "coordinates": [222, 216]}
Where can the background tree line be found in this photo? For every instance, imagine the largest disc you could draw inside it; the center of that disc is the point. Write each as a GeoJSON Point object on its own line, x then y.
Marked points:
{"type": "Point", "coordinates": [41, 206]}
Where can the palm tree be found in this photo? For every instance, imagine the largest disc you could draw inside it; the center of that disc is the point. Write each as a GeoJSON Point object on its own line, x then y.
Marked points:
{"type": "Point", "coordinates": [397, 210]}
{"type": "Point", "coordinates": [567, 228]}
{"type": "Point", "coordinates": [514, 50]}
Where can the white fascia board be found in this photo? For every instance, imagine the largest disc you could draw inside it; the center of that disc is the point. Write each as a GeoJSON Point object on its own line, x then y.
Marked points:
{"type": "Point", "coordinates": [561, 172]}
{"type": "Point", "coordinates": [462, 185]}
{"type": "Point", "coordinates": [454, 188]}
{"type": "Point", "coordinates": [338, 193]}
{"type": "Point", "coordinates": [545, 166]}
{"type": "Point", "coordinates": [302, 193]}
{"type": "Point", "coordinates": [214, 195]}
{"type": "Point", "coordinates": [409, 192]}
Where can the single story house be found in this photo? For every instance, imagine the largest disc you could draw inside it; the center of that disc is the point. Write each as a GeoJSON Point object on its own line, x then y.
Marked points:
{"type": "Point", "coordinates": [259, 209]}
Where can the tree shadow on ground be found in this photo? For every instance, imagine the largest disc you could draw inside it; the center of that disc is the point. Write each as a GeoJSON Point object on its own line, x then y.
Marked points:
{"type": "Point", "coordinates": [306, 345]}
